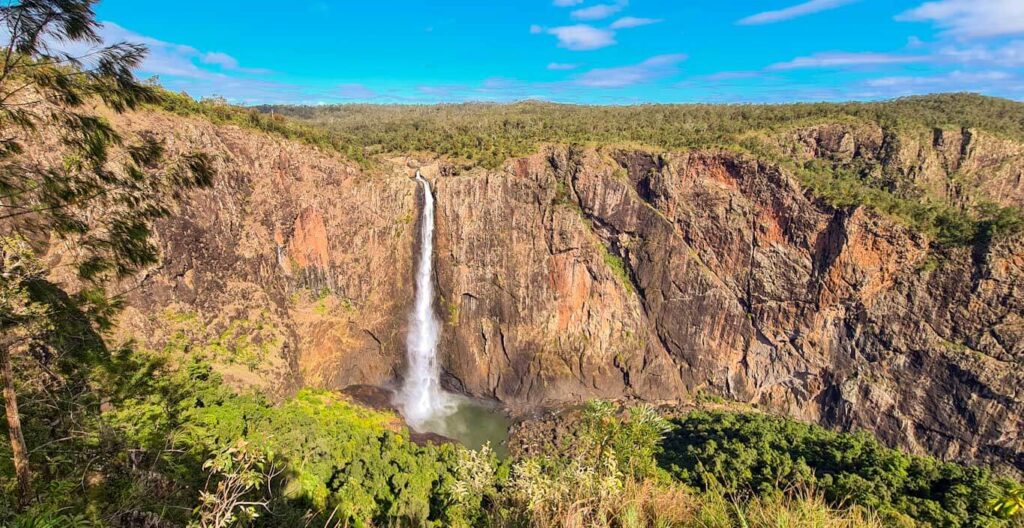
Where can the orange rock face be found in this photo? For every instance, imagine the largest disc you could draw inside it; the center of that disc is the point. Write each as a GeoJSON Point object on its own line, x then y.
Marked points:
{"type": "Point", "coordinates": [308, 245]}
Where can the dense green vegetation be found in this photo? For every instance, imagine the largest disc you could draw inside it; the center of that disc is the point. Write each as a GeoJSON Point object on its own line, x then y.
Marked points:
{"type": "Point", "coordinates": [144, 456]}
{"type": "Point", "coordinates": [753, 453]}
{"type": "Point", "coordinates": [145, 440]}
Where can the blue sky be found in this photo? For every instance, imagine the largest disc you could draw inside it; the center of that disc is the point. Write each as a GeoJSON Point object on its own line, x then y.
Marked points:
{"type": "Point", "coordinates": [580, 51]}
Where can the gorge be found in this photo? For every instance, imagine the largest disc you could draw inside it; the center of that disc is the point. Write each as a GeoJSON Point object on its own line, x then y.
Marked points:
{"type": "Point", "coordinates": [616, 272]}
{"type": "Point", "coordinates": [837, 270]}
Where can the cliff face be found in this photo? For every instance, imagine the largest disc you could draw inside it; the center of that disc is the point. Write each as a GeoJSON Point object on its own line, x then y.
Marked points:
{"type": "Point", "coordinates": [732, 281]}
{"type": "Point", "coordinates": [294, 264]}
{"type": "Point", "coordinates": [574, 274]}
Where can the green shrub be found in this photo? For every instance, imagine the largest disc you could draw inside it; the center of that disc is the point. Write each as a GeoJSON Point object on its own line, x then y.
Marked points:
{"type": "Point", "coordinates": [335, 454]}
{"type": "Point", "coordinates": [761, 455]}
{"type": "Point", "coordinates": [618, 268]}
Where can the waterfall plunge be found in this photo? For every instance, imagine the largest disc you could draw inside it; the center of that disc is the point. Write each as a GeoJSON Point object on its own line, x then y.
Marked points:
{"type": "Point", "coordinates": [422, 400]}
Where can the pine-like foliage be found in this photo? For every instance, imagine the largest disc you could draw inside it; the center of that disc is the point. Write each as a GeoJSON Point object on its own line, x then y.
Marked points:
{"type": "Point", "coordinates": [98, 195]}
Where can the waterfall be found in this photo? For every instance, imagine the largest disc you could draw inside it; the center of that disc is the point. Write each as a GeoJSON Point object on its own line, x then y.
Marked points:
{"type": "Point", "coordinates": [421, 398]}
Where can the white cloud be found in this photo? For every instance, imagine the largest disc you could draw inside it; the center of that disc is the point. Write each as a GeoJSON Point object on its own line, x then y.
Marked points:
{"type": "Point", "coordinates": [535, 29]}
{"type": "Point", "coordinates": [1010, 55]}
{"type": "Point", "coordinates": [200, 73]}
{"type": "Point", "coordinates": [632, 22]}
{"type": "Point", "coordinates": [558, 66]}
{"type": "Point", "coordinates": [597, 12]}
{"type": "Point", "coordinates": [651, 69]}
{"type": "Point", "coordinates": [581, 37]}
{"type": "Point", "coordinates": [229, 63]}
{"type": "Point", "coordinates": [567, 3]}
{"type": "Point", "coordinates": [971, 18]}
{"type": "Point", "coordinates": [799, 10]}
{"type": "Point", "coordinates": [842, 60]}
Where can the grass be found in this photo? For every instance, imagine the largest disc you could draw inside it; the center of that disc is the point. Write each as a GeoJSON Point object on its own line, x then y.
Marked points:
{"type": "Point", "coordinates": [650, 504]}
{"type": "Point", "coordinates": [618, 268]}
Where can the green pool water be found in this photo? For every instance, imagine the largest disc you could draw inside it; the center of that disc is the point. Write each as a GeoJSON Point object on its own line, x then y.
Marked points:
{"type": "Point", "coordinates": [474, 424]}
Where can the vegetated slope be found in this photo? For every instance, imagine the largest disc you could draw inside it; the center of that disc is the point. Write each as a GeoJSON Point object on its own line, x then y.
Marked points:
{"type": "Point", "coordinates": [721, 447]}
{"type": "Point", "coordinates": [821, 274]}
{"type": "Point", "coordinates": [489, 134]}
{"type": "Point", "coordinates": [492, 133]}
{"type": "Point", "coordinates": [174, 444]}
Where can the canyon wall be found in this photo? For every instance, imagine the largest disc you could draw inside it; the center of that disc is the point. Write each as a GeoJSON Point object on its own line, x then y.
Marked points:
{"type": "Point", "coordinates": [657, 276]}
{"type": "Point", "coordinates": [295, 265]}
{"type": "Point", "coordinates": [615, 273]}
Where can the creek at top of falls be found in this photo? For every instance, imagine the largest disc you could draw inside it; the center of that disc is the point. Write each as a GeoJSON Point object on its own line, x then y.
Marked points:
{"type": "Point", "coordinates": [426, 406]}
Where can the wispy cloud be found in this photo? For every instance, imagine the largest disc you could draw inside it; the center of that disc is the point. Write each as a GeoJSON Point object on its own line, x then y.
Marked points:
{"type": "Point", "coordinates": [845, 60]}
{"type": "Point", "coordinates": [593, 85]}
{"type": "Point", "coordinates": [221, 59]}
{"type": "Point", "coordinates": [649, 70]}
{"type": "Point", "coordinates": [1003, 83]}
{"type": "Point", "coordinates": [632, 22]}
{"type": "Point", "coordinates": [167, 58]}
{"type": "Point", "coordinates": [581, 37]}
{"type": "Point", "coordinates": [728, 76]}
{"type": "Point", "coordinates": [597, 12]}
{"type": "Point", "coordinates": [1009, 55]}
{"type": "Point", "coordinates": [200, 73]}
{"type": "Point", "coordinates": [971, 18]}
{"type": "Point", "coordinates": [355, 91]}
{"type": "Point", "coordinates": [960, 77]}
{"type": "Point", "coordinates": [229, 63]}
{"type": "Point", "coordinates": [799, 10]}
{"type": "Point", "coordinates": [558, 66]}
{"type": "Point", "coordinates": [567, 3]}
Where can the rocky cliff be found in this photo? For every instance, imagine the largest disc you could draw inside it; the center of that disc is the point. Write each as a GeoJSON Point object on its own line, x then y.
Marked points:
{"type": "Point", "coordinates": [615, 273]}
{"type": "Point", "coordinates": [709, 271]}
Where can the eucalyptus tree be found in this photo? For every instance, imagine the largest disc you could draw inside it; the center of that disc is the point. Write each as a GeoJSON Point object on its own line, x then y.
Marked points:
{"type": "Point", "coordinates": [94, 192]}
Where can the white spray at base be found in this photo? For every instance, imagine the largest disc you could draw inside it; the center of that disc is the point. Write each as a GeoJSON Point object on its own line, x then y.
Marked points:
{"type": "Point", "coordinates": [421, 399]}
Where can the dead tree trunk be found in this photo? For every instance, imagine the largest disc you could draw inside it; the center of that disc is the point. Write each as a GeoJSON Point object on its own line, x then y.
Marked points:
{"type": "Point", "coordinates": [18, 447]}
